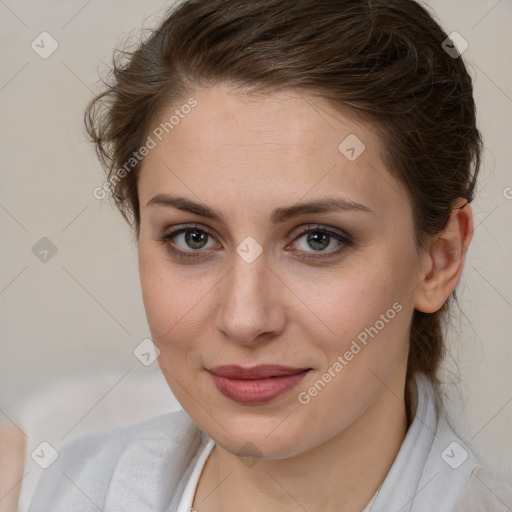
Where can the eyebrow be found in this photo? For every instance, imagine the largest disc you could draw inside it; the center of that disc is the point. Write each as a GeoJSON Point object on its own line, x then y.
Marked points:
{"type": "Point", "coordinates": [329, 204]}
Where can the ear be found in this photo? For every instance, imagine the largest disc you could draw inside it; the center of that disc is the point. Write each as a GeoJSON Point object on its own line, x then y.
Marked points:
{"type": "Point", "coordinates": [443, 264]}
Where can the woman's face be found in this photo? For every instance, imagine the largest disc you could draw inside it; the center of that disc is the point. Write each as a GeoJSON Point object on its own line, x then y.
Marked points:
{"type": "Point", "coordinates": [259, 278]}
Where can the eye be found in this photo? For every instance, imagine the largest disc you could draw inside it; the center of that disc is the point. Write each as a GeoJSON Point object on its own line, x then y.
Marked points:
{"type": "Point", "coordinates": [320, 238]}
{"type": "Point", "coordinates": [188, 239]}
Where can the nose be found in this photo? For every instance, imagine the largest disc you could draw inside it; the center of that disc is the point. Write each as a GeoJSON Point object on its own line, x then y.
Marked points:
{"type": "Point", "coordinates": [250, 309]}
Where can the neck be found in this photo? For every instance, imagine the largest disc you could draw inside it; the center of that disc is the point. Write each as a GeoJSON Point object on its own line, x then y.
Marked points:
{"type": "Point", "coordinates": [341, 474]}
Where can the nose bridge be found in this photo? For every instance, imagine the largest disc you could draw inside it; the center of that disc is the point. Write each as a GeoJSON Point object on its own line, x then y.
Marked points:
{"type": "Point", "coordinates": [248, 300]}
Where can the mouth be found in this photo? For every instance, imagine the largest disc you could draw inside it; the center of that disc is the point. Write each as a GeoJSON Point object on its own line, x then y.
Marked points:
{"type": "Point", "coordinates": [258, 384]}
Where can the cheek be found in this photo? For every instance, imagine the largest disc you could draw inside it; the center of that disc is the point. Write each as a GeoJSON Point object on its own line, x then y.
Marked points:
{"type": "Point", "coordinates": [345, 302]}
{"type": "Point", "coordinates": [169, 317]}
{"type": "Point", "coordinates": [174, 301]}
{"type": "Point", "coordinates": [365, 318]}
{"type": "Point", "coordinates": [371, 323]}
{"type": "Point", "coordinates": [163, 302]}
{"type": "Point", "coordinates": [157, 301]}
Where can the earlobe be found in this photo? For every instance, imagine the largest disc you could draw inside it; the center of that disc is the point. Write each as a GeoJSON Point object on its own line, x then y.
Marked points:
{"type": "Point", "coordinates": [445, 260]}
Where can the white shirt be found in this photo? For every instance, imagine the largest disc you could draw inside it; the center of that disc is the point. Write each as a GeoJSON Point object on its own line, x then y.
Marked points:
{"type": "Point", "coordinates": [154, 466]}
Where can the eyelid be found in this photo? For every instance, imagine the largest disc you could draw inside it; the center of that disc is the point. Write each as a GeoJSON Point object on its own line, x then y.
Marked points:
{"type": "Point", "coordinates": [319, 227]}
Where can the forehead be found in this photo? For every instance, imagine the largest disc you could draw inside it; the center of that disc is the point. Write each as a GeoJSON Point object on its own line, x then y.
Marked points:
{"type": "Point", "coordinates": [283, 144]}
{"type": "Point", "coordinates": [223, 118]}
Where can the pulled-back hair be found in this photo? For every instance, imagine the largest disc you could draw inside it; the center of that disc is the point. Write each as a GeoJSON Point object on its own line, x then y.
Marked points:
{"type": "Point", "coordinates": [383, 59]}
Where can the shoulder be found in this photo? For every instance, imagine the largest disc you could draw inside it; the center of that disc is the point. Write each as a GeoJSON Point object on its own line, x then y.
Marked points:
{"type": "Point", "coordinates": [453, 476]}
{"type": "Point", "coordinates": [123, 459]}
{"type": "Point", "coordinates": [485, 491]}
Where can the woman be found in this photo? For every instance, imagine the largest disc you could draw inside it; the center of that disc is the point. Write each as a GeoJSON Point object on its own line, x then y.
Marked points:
{"type": "Point", "coordinates": [298, 175]}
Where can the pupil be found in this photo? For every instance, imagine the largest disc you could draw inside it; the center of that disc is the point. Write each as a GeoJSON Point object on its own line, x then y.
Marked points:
{"type": "Point", "coordinates": [318, 238]}
{"type": "Point", "coordinates": [194, 238]}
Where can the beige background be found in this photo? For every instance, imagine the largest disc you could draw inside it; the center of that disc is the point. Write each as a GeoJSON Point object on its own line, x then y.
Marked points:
{"type": "Point", "coordinates": [81, 312]}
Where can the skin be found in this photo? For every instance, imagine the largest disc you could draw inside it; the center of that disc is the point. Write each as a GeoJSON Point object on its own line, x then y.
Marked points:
{"type": "Point", "coordinates": [245, 156]}
{"type": "Point", "coordinates": [12, 465]}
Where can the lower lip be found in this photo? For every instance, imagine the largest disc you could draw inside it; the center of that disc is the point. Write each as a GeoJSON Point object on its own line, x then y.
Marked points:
{"type": "Point", "coordinates": [256, 391]}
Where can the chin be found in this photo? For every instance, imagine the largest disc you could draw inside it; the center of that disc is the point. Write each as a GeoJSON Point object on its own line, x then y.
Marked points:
{"type": "Point", "coordinates": [256, 438]}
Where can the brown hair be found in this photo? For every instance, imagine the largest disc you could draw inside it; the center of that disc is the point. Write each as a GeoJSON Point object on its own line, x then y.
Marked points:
{"type": "Point", "coordinates": [383, 59]}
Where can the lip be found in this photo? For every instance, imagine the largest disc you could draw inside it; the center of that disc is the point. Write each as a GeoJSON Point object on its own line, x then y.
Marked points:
{"type": "Point", "coordinates": [257, 384]}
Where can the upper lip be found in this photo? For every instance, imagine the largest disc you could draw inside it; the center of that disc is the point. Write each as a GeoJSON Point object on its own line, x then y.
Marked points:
{"type": "Point", "coordinates": [262, 371]}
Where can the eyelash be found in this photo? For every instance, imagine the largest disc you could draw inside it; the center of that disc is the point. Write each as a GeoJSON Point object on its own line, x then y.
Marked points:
{"type": "Point", "coordinates": [345, 240]}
